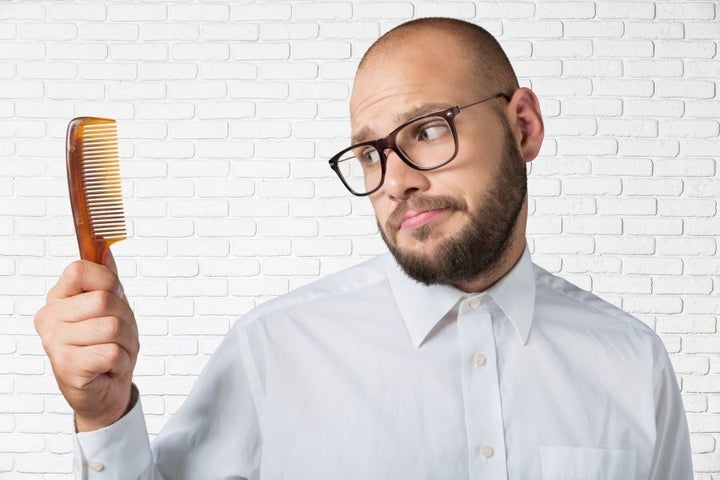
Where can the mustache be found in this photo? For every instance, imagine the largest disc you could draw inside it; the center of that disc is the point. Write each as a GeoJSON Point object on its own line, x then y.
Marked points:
{"type": "Point", "coordinates": [423, 202]}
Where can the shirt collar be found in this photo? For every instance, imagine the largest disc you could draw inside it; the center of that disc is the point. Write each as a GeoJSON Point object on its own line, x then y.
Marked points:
{"type": "Point", "coordinates": [422, 307]}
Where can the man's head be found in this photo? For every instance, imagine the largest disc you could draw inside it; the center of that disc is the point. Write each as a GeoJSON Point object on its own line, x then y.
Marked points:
{"type": "Point", "coordinates": [456, 224]}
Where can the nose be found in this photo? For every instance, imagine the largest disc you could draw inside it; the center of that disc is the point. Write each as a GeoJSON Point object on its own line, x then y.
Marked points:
{"type": "Point", "coordinates": [401, 180]}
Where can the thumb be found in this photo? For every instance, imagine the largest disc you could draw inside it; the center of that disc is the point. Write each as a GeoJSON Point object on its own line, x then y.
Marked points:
{"type": "Point", "coordinates": [109, 261]}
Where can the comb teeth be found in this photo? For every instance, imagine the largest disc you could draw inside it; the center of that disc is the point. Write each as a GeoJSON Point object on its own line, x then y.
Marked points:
{"type": "Point", "coordinates": [101, 180]}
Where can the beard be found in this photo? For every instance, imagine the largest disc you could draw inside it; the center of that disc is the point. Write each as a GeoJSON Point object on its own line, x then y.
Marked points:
{"type": "Point", "coordinates": [479, 248]}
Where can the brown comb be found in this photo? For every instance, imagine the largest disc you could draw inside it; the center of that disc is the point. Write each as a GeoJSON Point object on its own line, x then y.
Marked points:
{"type": "Point", "coordinates": [93, 172]}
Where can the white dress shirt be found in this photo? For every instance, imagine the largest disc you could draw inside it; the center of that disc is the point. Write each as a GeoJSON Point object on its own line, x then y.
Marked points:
{"type": "Point", "coordinates": [369, 375]}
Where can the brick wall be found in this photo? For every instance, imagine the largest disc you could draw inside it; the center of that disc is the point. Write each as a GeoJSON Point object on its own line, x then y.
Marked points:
{"type": "Point", "coordinates": [227, 112]}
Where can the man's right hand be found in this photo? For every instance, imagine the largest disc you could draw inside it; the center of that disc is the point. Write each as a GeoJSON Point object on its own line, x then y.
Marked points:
{"type": "Point", "coordinates": [89, 333]}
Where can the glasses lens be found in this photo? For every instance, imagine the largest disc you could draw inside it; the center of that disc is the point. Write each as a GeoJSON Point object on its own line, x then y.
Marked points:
{"type": "Point", "coordinates": [360, 168]}
{"type": "Point", "coordinates": [427, 142]}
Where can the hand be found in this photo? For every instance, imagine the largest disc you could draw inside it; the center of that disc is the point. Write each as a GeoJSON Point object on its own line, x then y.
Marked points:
{"type": "Point", "coordinates": [89, 333]}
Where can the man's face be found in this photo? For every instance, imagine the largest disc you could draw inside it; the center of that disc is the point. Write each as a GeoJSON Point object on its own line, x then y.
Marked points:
{"type": "Point", "coordinates": [454, 223]}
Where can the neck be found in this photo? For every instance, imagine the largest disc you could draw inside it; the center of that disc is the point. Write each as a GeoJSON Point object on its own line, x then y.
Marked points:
{"type": "Point", "coordinates": [486, 280]}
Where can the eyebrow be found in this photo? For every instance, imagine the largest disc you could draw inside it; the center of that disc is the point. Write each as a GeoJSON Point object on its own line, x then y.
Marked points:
{"type": "Point", "coordinates": [366, 133]}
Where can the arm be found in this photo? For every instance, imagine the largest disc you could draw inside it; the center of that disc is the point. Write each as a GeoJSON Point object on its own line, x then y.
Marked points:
{"type": "Point", "coordinates": [672, 459]}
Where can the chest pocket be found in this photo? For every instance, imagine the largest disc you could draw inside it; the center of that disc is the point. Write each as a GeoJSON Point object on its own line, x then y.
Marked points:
{"type": "Point", "coordinates": [572, 463]}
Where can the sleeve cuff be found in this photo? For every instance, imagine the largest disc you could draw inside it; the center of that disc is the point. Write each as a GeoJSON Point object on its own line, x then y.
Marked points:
{"type": "Point", "coordinates": [120, 451]}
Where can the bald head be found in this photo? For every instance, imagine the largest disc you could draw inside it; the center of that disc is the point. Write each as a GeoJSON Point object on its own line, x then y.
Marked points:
{"type": "Point", "coordinates": [490, 67]}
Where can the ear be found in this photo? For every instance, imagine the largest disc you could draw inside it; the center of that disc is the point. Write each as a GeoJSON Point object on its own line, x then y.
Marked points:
{"type": "Point", "coordinates": [526, 122]}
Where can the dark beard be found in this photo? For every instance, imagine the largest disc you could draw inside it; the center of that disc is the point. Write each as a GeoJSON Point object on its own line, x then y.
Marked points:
{"type": "Point", "coordinates": [479, 248]}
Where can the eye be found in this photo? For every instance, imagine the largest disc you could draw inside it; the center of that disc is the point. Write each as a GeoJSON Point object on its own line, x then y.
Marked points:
{"type": "Point", "coordinates": [369, 157]}
{"type": "Point", "coordinates": [434, 130]}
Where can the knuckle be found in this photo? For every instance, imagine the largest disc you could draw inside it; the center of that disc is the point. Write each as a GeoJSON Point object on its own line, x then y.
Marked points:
{"type": "Point", "coordinates": [101, 300]}
{"type": "Point", "coordinates": [74, 272]}
{"type": "Point", "coordinates": [112, 327]}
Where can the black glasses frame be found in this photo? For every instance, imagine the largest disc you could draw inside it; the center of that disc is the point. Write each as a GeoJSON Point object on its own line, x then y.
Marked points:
{"type": "Point", "coordinates": [388, 143]}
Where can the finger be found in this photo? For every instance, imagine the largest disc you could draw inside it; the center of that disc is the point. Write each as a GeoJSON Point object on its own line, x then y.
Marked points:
{"type": "Point", "coordinates": [85, 306]}
{"type": "Point", "coordinates": [109, 261]}
{"type": "Point", "coordinates": [83, 276]}
{"type": "Point", "coordinates": [83, 365]}
{"type": "Point", "coordinates": [98, 331]}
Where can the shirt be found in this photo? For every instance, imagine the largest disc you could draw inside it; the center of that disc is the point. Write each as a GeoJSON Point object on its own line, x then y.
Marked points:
{"type": "Point", "coordinates": [367, 374]}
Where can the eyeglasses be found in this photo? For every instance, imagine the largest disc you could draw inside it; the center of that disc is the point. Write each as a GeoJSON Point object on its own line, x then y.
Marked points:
{"type": "Point", "coordinates": [424, 143]}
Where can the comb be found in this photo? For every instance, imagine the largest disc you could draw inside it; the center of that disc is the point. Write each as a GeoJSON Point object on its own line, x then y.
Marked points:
{"type": "Point", "coordinates": [93, 173]}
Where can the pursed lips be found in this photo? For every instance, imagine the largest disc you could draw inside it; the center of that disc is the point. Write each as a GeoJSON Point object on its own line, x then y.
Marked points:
{"type": "Point", "coordinates": [413, 219]}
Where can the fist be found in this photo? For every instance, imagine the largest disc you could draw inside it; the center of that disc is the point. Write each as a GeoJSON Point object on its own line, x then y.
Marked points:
{"type": "Point", "coordinates": [89, 333]}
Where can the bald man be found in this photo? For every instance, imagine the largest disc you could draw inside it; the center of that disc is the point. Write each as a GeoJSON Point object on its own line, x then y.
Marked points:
{"type": "Point", "coordinates": [451, 357]}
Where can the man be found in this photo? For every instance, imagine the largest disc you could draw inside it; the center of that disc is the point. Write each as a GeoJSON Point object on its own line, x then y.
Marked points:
{"type": "Point", "coordinates": [454, 357]}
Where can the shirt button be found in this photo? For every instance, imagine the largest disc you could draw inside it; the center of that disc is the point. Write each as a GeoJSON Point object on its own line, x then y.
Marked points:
{"type": "Point", "coordinates": [475, 302]}
{"type": "Point", "coordinates": [479, 360]}
{"type": "Point", "coordinates": [96, 465]}
{"type": "Point", "coordinates": [487, 451]}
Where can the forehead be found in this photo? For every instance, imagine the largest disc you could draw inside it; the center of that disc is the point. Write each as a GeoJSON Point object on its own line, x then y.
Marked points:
{"type": "Point", "coordinates": [416, 75]}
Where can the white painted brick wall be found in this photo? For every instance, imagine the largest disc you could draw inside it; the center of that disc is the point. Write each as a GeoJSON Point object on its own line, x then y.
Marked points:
{"type": "Point", "coordinates": [227, 112]}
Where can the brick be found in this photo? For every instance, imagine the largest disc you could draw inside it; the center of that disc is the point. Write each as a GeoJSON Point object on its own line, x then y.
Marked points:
{"type": "Point", "coordinates": [593, 226]}
{"type": "Point", "coordinates": [255, 130]}
{"type": "Point", "coordinates": [564, 244]}
{"type": "Point", "coordinates": [654, 30]}
{"type": "Point", "coordinates": [206, 247]}
{"type": "Point", "coordinates": [645, 304]}
{"type": "Point", "coordinates": [134, 13]}
{"type": "Point", "coordinates": [687, 285]}
{"type": "Point", "coordinates": [587, 146]}
{"type": "Point", "coordinates": [563, 48]}
{"type": "Point", "coordinates": [141, 52]}
{"type": "Point", "coordinates": [199, 129]}
{"type": "Point", "coordinates": [351, 30]}
{"type": "Point", "coordinates": [686, 207]}
{"type": "Point", "coordinates": [653, 108]}
{"type": "Point", "coordinates": [206, 12]}
{"type": "Point", "coordinates": [234, 307]}
{"type": "Point", "coordinates": [225, 228]}
{"type": "Point", "coordinates": [170, 31]}
{"type": "Point", "coordinates": [167, 268]}
{"type": "Point", "coordinates": [259, 208]}
{"type": "Point", "coordinates": [685, 88]}
{"type": "Point", "coordinates": [591, 264]}
{"type": "Point", "coordinates": [47, 70]}
{"type": "Point", "coordinates": [199, 208]}
{"type": "Point", "coordinates": [630, 246]}
{"type": "Point", "coordinates": [653, 68]}
{"type": "Point", "coordinates": [230, 267]}
{"type": "Point", "coordinates": [200, 51]}
{"type": "Point", "coordinates": [47, 31]}
{"type": "Point", "coordinates": [22, 11]}
{"type": "Point", "coordinates": [565, 87]}
{"type": "Point", "coordinates": [228, 71]}
{"type": "Point", "coordinates": [195, 168]}
{"type": "Point", "coordinates": [565, 206]}
{"type": "Point", "coordinates": [699, 148]}
{"type": "Point", "coordinates": [165, 150]}
{"type": "Point", "coordinates": [593, 29]}
{"type": "Point", "coordinates": [290, 266]}
{"type": "Point", "coordinates": [621, 127]}
{"type": "Point", "coordinates": [623, 48]}
{"type": "Point", "coordinates": [701, 187]}
{"type": "Point", "coordinates": [701, 30]}
{"type": "Point", "coordinates": [544, 187]}
{"type": "Point", "coordinates": [684, 49]}
{"type": "Point", "coordinates": [197, 90]}
{"type": "Point", "coordinates": [260, 90]}
{"type": "Point", "coordinates": [602, 107]}
{"type": "Point", "coordinates": [689, 128]}
{"type": "Point", "coordinates": [107, 71]}
{"type": "Point", "coordinates": [653, 226]}
{"type": "Point", "coordinates": [253, 247]}
{"type": "Point", "coordinates": [561, 166]}
{"type": "Point", "coordinates": [622, 284]}
{"type": "Point", "coordinates": [108, 31]}
{"type": "Point", "coordinates": [77, 12]}
{"type": "Point", "coordinates": [226, 109]}
{"type": "Point", "coordinates": [626, 206]}
{"type": "Point", "coordinates": [325, 49]}
{"type": "Point", "coordinates": [274, 11]}
{"type": "Point", "coordinates": [168, 71]}
{"type": "Point", "coordinates": [626, 10]}
{"type": "Point", "coordinates": [686, 11]}
{"type": "Point", "coordinates": [652, 186]}
{"type": "Point", "coordinates": [320, 208]}
{"type": "Point", "coordinates": [229, 31]}
{"type": "Point", "coordinates": [226, 149]}
{"type": "Point", "coordinates": [455, 9]}
{"type": "Point", "coordinates": [628, 147]}
{"type": "Point", "coordinates": [702, 69]}
{"type": "Point", "coordinates": [165, 111]}
{"type": "Point", "coordinates": [593, 68]}
{"type": "Point", "coordinates": [300, 228]}
{"type": "Point", "coordinates": [652, 265]}
{"type": "Point", "coordinates": [260, 51]}
{"type": "Point", "coordinates": [686, 246]}
{"type": "Point", "coordinates": [199, 287]}
{"type": "Point", "coordinates": [22, 51]}
{"type": "Point", "coordinates": [623, 88]}
{"type": "Point", "coordinates": [286, 149]}
{"type": "Point", "coordinates": [532, 29]}
{"type": "Point", "coordinates": [289, 31]}
{"type": "Point", "coordinates": [159, 227]}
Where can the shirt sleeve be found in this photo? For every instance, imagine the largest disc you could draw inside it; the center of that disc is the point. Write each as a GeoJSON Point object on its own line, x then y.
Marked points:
{"type": "Point", "coordinates": [215, 434]}
{"type": "Point", "coordinates": [672, 459]}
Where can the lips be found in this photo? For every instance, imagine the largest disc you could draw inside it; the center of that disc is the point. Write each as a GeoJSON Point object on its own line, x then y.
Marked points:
{"type": "Point", "coordinates": [417, 218]}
